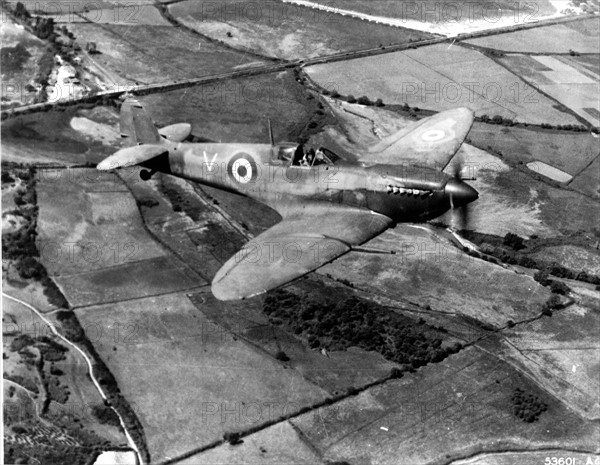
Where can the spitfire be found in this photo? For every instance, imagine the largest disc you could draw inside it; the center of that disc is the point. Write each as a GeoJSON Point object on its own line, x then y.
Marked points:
{"type": "Point", "coordinates": [328, 205]}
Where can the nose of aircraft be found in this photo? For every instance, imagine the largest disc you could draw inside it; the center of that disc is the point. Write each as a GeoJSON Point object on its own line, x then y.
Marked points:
{"type": "Point", "coordinates": [460, 193]}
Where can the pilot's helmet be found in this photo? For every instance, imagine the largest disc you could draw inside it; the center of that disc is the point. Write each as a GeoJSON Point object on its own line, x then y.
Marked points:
{"type": "Point", "coordinates": [286, 152]}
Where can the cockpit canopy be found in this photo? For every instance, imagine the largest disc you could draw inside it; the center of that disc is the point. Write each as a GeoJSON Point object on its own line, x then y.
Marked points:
{"type": "Point", "coordinates": [297, 156]}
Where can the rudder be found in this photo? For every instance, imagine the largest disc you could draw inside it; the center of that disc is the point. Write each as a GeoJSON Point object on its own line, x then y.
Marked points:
{"type": "Point", "coordinates": [136, 125]}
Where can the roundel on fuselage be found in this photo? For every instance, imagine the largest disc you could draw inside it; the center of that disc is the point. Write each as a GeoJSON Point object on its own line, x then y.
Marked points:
{"type": "Point", "coordinates": [242, 168]}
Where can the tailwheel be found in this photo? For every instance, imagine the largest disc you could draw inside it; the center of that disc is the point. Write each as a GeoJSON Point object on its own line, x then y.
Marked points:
{"type": "Point", "coordinates": [145, 174]}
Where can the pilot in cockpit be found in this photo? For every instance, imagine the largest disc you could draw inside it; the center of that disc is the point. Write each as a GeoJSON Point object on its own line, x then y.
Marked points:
{"type": "Point", "coordinates": [308, 158]}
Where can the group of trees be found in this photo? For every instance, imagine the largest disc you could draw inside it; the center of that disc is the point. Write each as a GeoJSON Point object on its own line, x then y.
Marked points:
{"type": "Point", "coordinates": [13, 58]}
{"type": "Point", "coordinates": [336, 324]}
{"type": "Point", "coordinates": [364, 100]}
{"type": "Point", "coordinates": [512, 250]}
{"type": "Point", "coordinates": [527, 407]}
{"type": "Point", "coordinates": [497, 119]}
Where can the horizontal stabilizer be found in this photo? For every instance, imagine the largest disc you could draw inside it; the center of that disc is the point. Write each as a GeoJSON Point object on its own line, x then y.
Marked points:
{"type": "Point", "coordinates": [431, 142]}
{"type": "Point", "coordinates": [176, 132]}
{"type": "Point", "coordinates": [131, 156]}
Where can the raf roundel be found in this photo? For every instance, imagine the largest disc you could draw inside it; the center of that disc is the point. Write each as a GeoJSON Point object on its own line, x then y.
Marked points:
{"type": "Point", "coordinates": [242, 168]}
{"type": "Point", "coordinates": [433, 135]}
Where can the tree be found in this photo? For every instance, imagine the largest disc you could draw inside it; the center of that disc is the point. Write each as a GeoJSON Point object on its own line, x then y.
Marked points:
{"type": "Point", "coordinates": [558, 287]}
{"type": "Point", "coordinates": [541, 277]}
{"type": "Point", "coordinates": [379, 103]}
{"type": "Point", "coordinates": [351, 99]}
{"type": "Point", "coordinates": [21, 12]}
{"type": "Point", "coordinates": [514, 241]}
{"type": "Point", "coordinates": [281, 355]}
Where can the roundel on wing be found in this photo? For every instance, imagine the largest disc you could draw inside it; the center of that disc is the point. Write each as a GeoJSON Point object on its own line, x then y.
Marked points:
{"type": "Point", "coordinates": [242, 168]}
{"type": "Point", "coordinates": [441, 132]}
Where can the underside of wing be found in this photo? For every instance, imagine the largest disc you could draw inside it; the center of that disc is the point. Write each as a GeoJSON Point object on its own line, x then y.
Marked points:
{"type": "Point", "coordinates": [431, 142]}
{"type": "Point", "coordinates": [299, 244]}
{"type": "Point", "coordinates": [131, 156]}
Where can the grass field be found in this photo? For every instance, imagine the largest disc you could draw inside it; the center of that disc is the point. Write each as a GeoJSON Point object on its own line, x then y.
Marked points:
{"type": "Point", "coordinates": [148, 54]}
{"type": "Point", "coordinates": [64, 136]}
{"type": "Point", "coordinates": [433, 272]}
{"type": "Point", "coordinates": [439, 78]}
{"type": "Point", "coordinates": [189, 380]}
{"type": "Point", "coordinates": [285, 31]}
{"type": "Point", "coordinates": [580, 36]}
{"type": "Point", "coordinates": [236, 110]}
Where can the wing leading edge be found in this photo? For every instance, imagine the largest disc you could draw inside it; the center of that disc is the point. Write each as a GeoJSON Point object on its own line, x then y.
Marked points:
{"type": "Point", "coordinates": [431, 142]}
{"type": "Point", "coordinates": [299, 244]}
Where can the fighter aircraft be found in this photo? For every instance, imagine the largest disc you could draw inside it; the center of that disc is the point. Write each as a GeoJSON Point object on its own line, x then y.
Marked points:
{"type": "Point", "coordinates": [328, 205]}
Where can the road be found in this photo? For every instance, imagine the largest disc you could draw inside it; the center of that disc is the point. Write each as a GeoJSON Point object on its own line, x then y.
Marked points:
{"type": "Point", "coordinates": [87, 360]}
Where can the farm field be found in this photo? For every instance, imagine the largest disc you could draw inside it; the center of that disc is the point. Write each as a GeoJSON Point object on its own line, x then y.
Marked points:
{"type": "Point", "coordinates": [95, 214]}
{"type": "Point", "coordinates": [188, 380]}
{"type": "Point", "coordinates": [277, 445]}
{"type": "Point", "coordinates": [147, 54]}
{"type": "Point", "coordinates": [443, 10]}
{"type": "Point", "coordinates": [413, 275]}
{"type": "Point", "coordinates": [440, 78]}
{"type": "Point", "coordinates": [587, 181]}
{"type": "Point", "coordinates": [565, 150]}
{"type": "Point", "coordinates": [285, 31]}
{"type": "Point", "coordinates": [556, 77]}
{"type": "Point", "coordinates": [580, 36]}
{"type": "Point", "coordinates": [133, 14]}
{"type": "Point", "coordinates": [458, 407]}
{"type": "Point", "coordinates": [561, 353]}
{"type": "Point", "coordinates": [129, 281]}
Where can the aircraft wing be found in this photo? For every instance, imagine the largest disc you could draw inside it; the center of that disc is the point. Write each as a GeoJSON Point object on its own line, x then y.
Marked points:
{"type": "Point", "coordinates": [299, 244]}
{"type": "Point", "coordinates": [431, 141]}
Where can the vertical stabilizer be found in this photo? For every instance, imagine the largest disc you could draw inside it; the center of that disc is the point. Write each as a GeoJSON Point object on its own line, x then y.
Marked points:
{"type": "Point", "coordinates": [136, 125]}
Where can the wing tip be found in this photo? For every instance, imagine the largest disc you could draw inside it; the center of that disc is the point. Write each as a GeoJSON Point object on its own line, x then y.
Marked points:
{"type": "Point", "coordinates": [224, 292]}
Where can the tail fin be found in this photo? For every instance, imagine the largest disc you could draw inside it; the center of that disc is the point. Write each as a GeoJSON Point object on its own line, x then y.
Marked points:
{"type": "Point", "coordinates": [136, 125]}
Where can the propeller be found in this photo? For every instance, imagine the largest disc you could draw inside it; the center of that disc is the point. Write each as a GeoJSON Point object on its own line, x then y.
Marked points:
{"type": "Point", "coordinates": [460, 196]}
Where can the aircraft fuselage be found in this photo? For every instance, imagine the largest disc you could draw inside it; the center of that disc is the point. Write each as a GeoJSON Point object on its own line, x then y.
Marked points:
{"type": "Point", "coordinates": [401, 192]}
